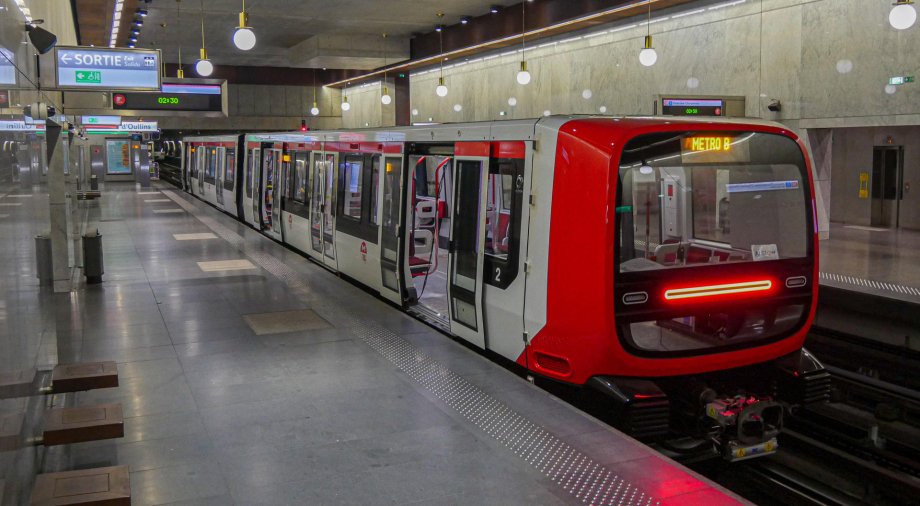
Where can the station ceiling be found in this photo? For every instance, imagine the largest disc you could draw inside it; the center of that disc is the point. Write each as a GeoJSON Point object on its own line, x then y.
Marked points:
{"type": "Point", "coordinates": [345, 34]}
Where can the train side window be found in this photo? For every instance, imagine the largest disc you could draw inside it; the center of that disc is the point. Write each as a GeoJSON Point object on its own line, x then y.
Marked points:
{"type": "Point", "coordinates": [250, 171]}
{"type": "Point", "coordinates": [352, 187]}
{"type": "Point", "coordinates": [505, 192]}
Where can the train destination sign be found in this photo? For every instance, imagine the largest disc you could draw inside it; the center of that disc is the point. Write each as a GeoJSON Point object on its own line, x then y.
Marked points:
{"type": "Point", "coordinates": [110, 69]}
{"type": "Point", "coordinates": [692, 107]}
{"type": "Point", "coordinates": [173, 97]}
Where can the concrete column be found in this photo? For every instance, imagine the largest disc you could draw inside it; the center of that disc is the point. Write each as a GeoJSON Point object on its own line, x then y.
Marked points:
{"type": "Point", "coordinates": [57, 198]}
{"type": "Point", "coordinates": [821, 143]}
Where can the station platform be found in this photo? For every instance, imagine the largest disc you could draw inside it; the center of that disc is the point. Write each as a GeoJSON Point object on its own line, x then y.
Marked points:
{"type": "Point", "coordinates": [250, 375]}
{"type": "Point", "coordinates": [876, 261]}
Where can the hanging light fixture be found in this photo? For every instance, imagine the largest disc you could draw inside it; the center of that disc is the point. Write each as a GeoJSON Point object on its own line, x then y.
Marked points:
{"type": "Point", "coordinates": [385, 99]}
{"type": "Point", "coordinates": [648, 56]}
{"type": "Point", "coordinates": [203, 66]}
{"type": "Point", "coordinates": [441, 90]}
{"type": "Point", "coordinates": [902, 15]}
{"type": "Point", "coordinates": [179, 73]}
{"type": "Point", "coordinates": [345, 105]}
{"type": "Point", "coordinates": [315, 110]}
{"type": "Point", "coordinates": [523, 75]}
{"type": "Point", "coordinates": [244, 38]}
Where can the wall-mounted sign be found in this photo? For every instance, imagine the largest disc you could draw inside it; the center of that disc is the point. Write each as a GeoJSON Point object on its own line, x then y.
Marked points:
{"type": "Point", "coordinates": [7, 70]}
{"type": "Point", "coordinates": [100, 120]}
{"type": "Point", "coordinates": [111, 69]}
{"type": "Point", "coordinates": [899, 80]}
{"type": "Point", "coordinates": [863, 185]}
{"type": "Point", "coordinates": [18, 126]}
{"type": "Point", "coordinates": [692, 107]}
{"type": "Point", "coordinates": [173, 97]}
{"type": "Point", "coordinates": [139, 126]}
{"type": "Point", "coordinates": [118, 156]}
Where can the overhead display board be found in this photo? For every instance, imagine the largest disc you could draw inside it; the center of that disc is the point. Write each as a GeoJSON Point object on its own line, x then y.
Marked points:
{"type": "Point", "coordinates": [692, 107]}
{"type": "Point", "coordinates": [82, 68]}
{"type": "Point", "coordinates": [173, 97]}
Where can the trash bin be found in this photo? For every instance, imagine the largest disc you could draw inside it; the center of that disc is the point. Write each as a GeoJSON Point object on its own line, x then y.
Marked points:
{"type": "Point", "coordinates": [93, 182]}
{"type": "Point", "coordinates": [92, 256]}
{"type": "Point", "coordinates": [44, 268]}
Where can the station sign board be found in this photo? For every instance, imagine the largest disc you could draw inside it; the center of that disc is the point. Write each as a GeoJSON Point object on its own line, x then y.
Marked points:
{"type": "Point", "coordinates": [88, 68]}
{"type": "Point", "coordinates": [100, 120]}
{"type": "Point", "coordinates": [18, 126]}
{"type": "Point", "coordinates": [139, 126]}
{"type": "Point", "coordinates": [172, 97]}
{"type": "Point", "coordinates": [692, 107]}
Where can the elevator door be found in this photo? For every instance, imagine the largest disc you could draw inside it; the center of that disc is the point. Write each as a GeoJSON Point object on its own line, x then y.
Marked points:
{"type": "Point", "coordinates": [887, 185]}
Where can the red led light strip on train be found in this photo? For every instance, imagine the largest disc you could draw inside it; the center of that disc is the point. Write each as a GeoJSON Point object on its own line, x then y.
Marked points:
{"type": "Point", "coordinates": [713, 290]}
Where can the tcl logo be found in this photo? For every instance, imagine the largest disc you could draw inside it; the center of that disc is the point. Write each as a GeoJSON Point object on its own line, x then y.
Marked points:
{"type": "Point", "coordinates": [119, 99]}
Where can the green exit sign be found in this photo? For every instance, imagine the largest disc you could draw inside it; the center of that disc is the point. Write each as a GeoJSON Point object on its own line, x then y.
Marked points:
{"type": "Point", "coordinates": [899, 80]}
{"type": "Point", "coordinates": [89, 76]}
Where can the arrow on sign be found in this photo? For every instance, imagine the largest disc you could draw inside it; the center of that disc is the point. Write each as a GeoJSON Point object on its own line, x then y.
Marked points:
{"type": "Point", "coordinates": [80, 75]}
{"type": "Point", "coordinates": [66, 58]}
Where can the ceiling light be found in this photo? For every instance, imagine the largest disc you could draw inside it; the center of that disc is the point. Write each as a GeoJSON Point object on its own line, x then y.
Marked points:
{"type": "Point", "coordinates": [315, 110]}
{"type": "Point", "coordinates": [441, 89]}
{"type": "Point", "coordinates": [141, 12]}
{"type": "Point", "coordinates": [244, 38]}
{"type": "Point", "coordinates": [439, 28]}
{"type": "Point", "coordinates": [386, 99]}
{"type": "Point", "coordinates": [465, 20]}
{"type": "Point", "coordinates": [648, 56]}
{"type": "Point", "coordinates": [494, 9]}
{"type": "Point", "coordinates": [902, 15]}
{"type": "Point", "coordinates": [345, 105]}
{"type": "Point", "coordinates": [203, 66]}
{"type": "Point", "coordinates": [138, 22]}
{"type": "Point", "coordinates": [523, 75]}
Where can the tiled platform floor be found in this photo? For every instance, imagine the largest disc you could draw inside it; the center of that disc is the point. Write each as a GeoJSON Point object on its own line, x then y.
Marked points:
{"type": "Point", "coordinates": [371, 408]}
{"type": "Point", "coordinates": [871, 260]}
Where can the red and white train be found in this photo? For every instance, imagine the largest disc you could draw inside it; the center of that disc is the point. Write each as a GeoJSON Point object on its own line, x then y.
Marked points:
{"type": "Point", "coordinates": [667, 266]}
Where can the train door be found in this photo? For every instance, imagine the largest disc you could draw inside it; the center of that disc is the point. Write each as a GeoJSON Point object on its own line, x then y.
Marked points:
{"type": "Point", "coordinates": [219, 176]}
{"type": "Point", "coordinates": [192, 164]}
{"type": "Point", "coordinates": [322, 208]}
{"type": "Point", "coordinates": [392, 270]}
{"type": "Point", "coordinates": [271, 188]}
{"type": "Point", "coordinates": [466, 253]}
{"type": "Point", "coordinates": [887, 177]}
{"type": "Point", "coordinates": [231, 199]}
{"type": "Point", "coordinates": [202, 155]}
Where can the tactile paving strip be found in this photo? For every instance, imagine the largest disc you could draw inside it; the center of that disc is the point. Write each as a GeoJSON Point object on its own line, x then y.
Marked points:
{"type": "Point", "coordinates": [868, 283]}
{"type": "Point", "coordinates": [581, 476]}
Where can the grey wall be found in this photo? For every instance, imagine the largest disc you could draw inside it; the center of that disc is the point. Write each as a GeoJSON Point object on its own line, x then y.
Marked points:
{"type": "Point", "coordinates": [852, 153]}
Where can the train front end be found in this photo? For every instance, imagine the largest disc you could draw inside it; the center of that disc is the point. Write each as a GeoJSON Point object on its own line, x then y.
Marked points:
{"type": "Point", "coordinates": [713, 284]}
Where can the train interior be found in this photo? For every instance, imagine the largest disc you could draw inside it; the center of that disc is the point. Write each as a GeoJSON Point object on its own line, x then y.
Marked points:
{"type": "Point", "coordinates": [431, 187]}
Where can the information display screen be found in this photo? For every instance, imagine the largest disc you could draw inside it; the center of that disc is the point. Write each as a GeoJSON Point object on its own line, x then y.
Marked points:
{"type": "Point", "coordinates": [704, 148]}
{"type": "Point", "coordinates": [118, 156]}
{"type": "Point", "coordinates": [692, 107]}
{"type": "Point", "coordinates": [173, 97]}
{"type": "Point", "coordinates": [110, 69]}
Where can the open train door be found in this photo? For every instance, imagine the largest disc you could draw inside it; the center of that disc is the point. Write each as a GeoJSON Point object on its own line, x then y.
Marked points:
{"type": "Point", "coordinates": [394, 200]}
{"type": "Point", "coordinates": [467, 241]}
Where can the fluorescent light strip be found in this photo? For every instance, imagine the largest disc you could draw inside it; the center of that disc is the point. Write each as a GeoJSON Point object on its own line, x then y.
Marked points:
{"type": "Point", "coordinates": [690, 13]}
{"type": "Point", "coordinates": [116, 22]}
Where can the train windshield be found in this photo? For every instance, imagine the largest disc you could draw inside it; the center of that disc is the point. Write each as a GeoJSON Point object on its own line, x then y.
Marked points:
{"type": "Point", "coordinates": [689, 201]}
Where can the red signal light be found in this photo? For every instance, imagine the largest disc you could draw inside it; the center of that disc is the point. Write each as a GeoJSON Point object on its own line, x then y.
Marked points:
{"type": "Point", "coordinates": [303, 125]}
{"type": "Point", "coordinates": [761, 285]}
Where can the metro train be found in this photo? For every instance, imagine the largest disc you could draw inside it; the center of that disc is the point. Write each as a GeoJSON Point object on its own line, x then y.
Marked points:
{"type": "Point", "coordinates": [665, 269]}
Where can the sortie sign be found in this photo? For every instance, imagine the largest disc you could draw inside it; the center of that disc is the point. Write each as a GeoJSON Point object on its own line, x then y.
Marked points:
{"type": "Point", "coordinates": [109, 69]}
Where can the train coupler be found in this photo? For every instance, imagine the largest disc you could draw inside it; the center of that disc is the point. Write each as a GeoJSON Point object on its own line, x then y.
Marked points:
{"type": "Point", "coordinates": [748, 426]}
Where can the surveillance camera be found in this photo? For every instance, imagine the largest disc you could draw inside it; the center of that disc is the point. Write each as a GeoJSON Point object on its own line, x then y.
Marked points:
{"type": "Point", "coordinates": [775, 105]}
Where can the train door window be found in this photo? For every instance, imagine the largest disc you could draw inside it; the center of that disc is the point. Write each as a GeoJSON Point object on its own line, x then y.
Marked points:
{"type": "Point", "coordinates": [391, 202]}
{"type": "Point", "coordinates": [503, 220]}
{"type": "Point", "coordinates": [252, 160]}
{"type": "Point", "coordinates": [301, 159]}
{"type": "Point", "coordinates": [352, 175]}
{"type": "Point", "coordinates": [212, 165]}
{"type": "Point", "coordinates": [193, 161]}
{"type": "Point", "coordinates": [375, 186]}
{"type": "Point", "coordinates": [230, 171]}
